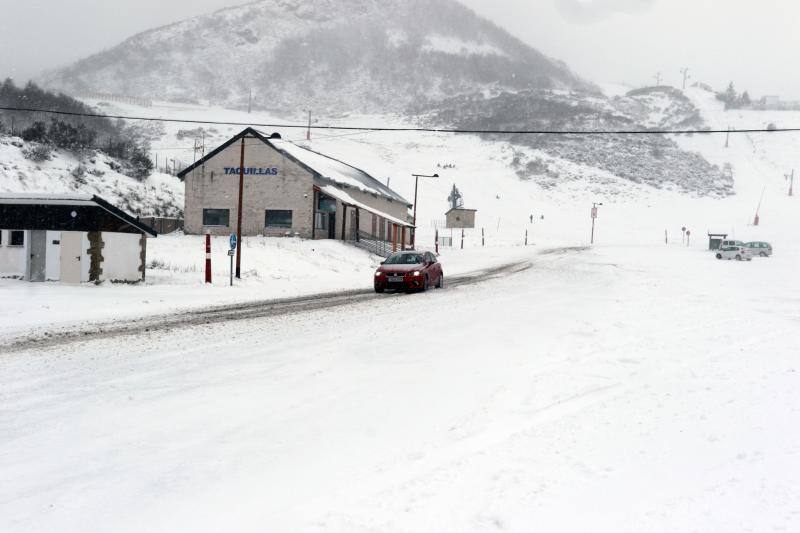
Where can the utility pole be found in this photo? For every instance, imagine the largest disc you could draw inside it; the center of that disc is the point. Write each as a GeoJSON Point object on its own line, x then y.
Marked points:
{"type": "Point", "coordinates": [416, 188]}
{"type": "Point", "coordinates": [728, 138]}
{"type": "Point", "coordinates": [685, 72]}
{"type": "Point", "coordinates": [239, 216]}
{"type": "Point", "coordinates": [790, 177]}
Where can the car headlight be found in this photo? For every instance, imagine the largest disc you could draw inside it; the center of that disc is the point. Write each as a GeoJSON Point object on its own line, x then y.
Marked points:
{"type": "Point", "coordinates": [416, 274]}
{"type": "Point", "coordinates": [378, 274]}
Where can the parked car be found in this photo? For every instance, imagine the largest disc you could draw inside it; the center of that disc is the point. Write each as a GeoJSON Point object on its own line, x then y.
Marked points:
{"type": "Point", "coordinates": [727, 243]}
{"type": "Point", "coordinates": [762, 249]}
{"type": "Point", "coordinates": [740, 253]}
{"type": "Point", "coordinates": [409, 271]}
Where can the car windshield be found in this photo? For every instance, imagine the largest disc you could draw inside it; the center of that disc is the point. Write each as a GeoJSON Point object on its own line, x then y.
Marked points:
{"type": "Point", "coordinates": [405, 259]}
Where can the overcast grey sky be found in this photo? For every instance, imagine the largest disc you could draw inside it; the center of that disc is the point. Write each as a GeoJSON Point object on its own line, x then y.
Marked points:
{"type": "Point", "coordinates": [752, 42]}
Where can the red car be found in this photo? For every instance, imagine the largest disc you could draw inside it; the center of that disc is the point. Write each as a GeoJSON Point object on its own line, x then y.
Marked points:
{"type": "Point", "coordinates": [409, 271]}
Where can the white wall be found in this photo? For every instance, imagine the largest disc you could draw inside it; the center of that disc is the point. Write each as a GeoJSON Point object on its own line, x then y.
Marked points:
{"type": "Point", "coordinates": [86, 261]}
{"type": "Point", "coordinates": [12, 258]}
{"type": "Point", "coordinates": [121, 257]}
{"type": "Point", "coordinates": [53, 272]}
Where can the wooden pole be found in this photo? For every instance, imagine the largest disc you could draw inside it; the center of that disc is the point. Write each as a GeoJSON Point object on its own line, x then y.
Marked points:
{"type": "Point", "coordinates": [462, 238]}
{"type": "Point", "coordinates": [239, 216]}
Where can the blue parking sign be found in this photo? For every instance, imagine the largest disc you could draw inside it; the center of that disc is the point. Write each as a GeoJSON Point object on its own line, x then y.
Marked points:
{"type": "Point", "coordinates": [234, 241]}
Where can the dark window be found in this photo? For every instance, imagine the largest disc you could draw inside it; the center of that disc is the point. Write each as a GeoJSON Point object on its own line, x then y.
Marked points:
{"type": "Point", "coordinates": [216, 217]}
{"type": "Point", "coordinates": [277, 218]}
{"type": "Point", "coordinates": [17, 238]}
{"type": "Point", "coordinates": [326, 204]}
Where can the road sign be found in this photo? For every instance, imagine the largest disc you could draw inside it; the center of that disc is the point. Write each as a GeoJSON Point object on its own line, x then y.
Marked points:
{"type": "Point", "coordinates": [234, 241]}
{"type": "Point", "coordinates": [594, 212]}
{"type": "Point", "coordinates": [231, 253]}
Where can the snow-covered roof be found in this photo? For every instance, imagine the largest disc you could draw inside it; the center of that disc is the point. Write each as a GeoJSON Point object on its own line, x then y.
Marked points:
{"type": "Point", "coordinates": [336, 171]}
{"type": "Point", "coordinates": [343, 197]}
{"type": "Point", "coordinates": [46, 199]}
{"type": "Point", "coordinates": [326, 167]}
{"type": "Point", "coordinates": [28, 206]}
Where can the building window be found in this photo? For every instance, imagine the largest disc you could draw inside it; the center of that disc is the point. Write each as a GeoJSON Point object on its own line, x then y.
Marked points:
{"type": "Point", "coordinates": [326, 204]}
{"type": "Point", "coordinates": [17, 238]}
{"type": "Point", "coordinates": [277, 218]}
{"type": "Point", "coordinates": [216, 217]}
{"type": "Point", "coordinates": [321, 221]}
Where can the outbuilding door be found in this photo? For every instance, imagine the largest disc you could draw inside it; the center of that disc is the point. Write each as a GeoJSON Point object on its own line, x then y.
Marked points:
{"type": "Point", "coordinates": [38, 251]}
{"type": "Point", "coordinates": [71, 252]}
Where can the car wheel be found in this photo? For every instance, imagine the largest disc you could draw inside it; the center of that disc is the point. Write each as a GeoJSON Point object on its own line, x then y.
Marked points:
{"type": "Point", "coordinates": [379, 291]}
{"type": "Point", "coordinates": [719, 256]}
{"type": "Point", "coordinates": [738, 257]}
{"type": "Point", "coordinates": [440, 283]}
{"type": "Point", "coordinates": [425, 284]}
{"type": "Point", "coordinates": [763, 254]}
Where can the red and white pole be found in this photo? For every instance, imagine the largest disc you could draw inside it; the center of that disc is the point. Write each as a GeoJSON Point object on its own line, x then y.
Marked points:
{"type": "Point", "coordinates": [208, 257]}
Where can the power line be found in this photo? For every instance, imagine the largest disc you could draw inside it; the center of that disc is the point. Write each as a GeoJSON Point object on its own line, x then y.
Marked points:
{"type": "Point", "coordinates": [407, 129]}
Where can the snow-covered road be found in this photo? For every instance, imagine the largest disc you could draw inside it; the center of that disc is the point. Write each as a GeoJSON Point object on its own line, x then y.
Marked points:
{"type": "Point", "coordinates": [617, 389]}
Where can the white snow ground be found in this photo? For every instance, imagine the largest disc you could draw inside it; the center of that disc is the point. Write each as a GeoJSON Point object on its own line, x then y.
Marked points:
{"type": "Point", "coordinates": [620, 389]}
{"type": "Point", "coordinates": [637, 386]}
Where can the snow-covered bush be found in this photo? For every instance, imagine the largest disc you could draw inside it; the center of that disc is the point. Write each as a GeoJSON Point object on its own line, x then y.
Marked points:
{"type": "Point", "coordinates": [38, 152]}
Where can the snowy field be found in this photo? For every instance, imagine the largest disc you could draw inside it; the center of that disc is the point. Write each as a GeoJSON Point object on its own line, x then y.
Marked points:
{"type": "Point", "coordinates": [636, 386]}
{"type": "Point", "coordinates": [641, 388]}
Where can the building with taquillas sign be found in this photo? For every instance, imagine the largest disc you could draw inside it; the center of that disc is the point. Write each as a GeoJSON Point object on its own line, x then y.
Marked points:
{"type": "Point", "coordinates": [289, 190]}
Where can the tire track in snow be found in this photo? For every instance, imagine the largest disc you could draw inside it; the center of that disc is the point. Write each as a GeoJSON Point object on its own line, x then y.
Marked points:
{"type": "Point", "coordinates": [239, 312]}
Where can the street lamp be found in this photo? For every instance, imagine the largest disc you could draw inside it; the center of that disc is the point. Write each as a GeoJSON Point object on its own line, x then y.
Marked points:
{"type": "Point", "coordinates": [416, 188]}
{"type": "Point", "coordinates": [594, 217]}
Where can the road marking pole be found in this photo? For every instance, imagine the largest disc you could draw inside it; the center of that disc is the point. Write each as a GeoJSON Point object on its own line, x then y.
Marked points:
{"type": "Point", "coordinates": [208, 256]}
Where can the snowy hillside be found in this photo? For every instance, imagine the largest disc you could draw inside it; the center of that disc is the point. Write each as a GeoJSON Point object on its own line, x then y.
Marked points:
{"type": "Point", "coordinates": [92, 173]}
{"type": "Point", "coordinates": [654, 160]}
{"type": "Point", "coordinates": [350, 55]}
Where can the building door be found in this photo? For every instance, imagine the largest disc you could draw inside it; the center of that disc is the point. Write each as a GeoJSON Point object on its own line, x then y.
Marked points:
{"type": "Point", "coordinates": [71, 252]}
{"type": "Point", "coordinates": [331, 225]}
{"type": "Point", "coordinates": [37, 248]}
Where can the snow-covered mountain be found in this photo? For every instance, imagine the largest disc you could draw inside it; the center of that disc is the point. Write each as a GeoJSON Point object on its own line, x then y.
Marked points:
{"type": "Point", "coordinates": [347, 55]}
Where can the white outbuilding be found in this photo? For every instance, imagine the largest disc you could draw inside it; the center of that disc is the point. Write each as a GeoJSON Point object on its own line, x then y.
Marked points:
{"type": "Point", "coordinates": [71, 239]}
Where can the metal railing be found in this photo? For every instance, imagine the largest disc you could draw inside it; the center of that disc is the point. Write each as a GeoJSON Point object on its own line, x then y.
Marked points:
{"type": "Point", "coordinates": [373, 244]}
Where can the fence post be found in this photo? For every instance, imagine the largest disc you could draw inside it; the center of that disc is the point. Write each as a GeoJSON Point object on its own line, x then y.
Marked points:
{"type": "Point", "coordinates": [462, 238]}
{"type": "Point", "coordinates": [208, 257]}
{"type": "Point", "coordinates": [526, 237]}
{"type": "Point", "coordinates": [437, 241]}
{"type": "Point", "coordinates": [483, 237]}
